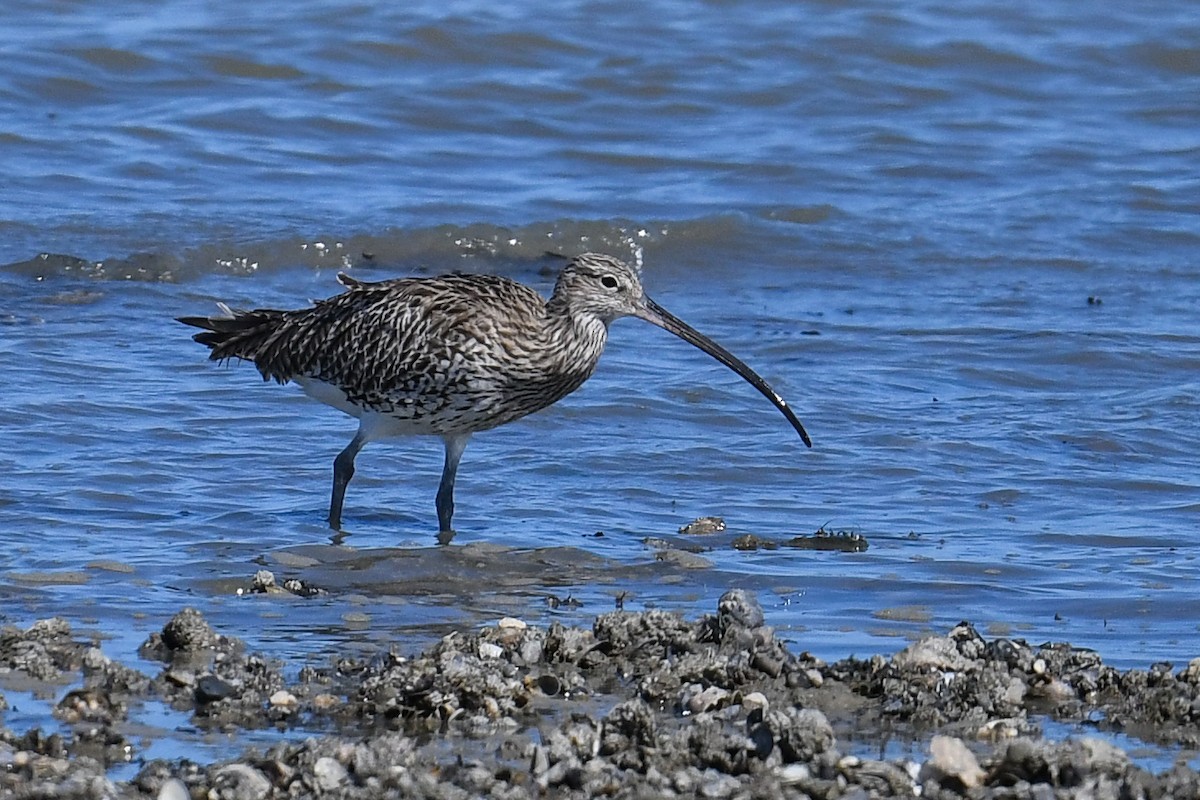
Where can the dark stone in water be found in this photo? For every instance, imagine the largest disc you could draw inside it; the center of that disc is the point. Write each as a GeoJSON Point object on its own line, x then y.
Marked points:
{"type": "Point", "coordinates": [749, 541]}
{"type": "Point", "coordinates": [703, 526]}
{"type": "Point", "coordinates": [842, 541]}
{"type": "Point", "coordinates": [210, 689]}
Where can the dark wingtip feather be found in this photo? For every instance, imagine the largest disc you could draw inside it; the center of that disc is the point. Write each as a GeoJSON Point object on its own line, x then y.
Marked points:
{"type": "Point", "coordinates": [209, 339]}
{"type": "Point", "coordinates": [196, 322]}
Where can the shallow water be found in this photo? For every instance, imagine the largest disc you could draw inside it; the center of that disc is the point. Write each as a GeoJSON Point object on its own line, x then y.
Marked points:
{"type": "Point", "coordinates": [960, 238]}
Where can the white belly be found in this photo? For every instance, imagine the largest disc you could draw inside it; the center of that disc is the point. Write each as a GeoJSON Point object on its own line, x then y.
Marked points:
{"type": "Point", "coordinates": [375, 425]}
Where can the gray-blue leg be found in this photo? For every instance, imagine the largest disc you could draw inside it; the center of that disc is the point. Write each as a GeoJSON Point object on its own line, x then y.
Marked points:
{"type": "Point", "coordinates": [445, 495]}
{"type": "Point", "coordinates": [343, 471]}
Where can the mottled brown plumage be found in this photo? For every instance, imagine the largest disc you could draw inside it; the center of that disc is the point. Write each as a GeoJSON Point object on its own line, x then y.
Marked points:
{"type": "Point", "coordinates": [447, 356]}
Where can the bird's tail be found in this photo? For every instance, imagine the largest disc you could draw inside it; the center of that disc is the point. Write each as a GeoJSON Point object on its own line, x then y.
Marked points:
{"type": "Point", "coordinates": [235, 333]}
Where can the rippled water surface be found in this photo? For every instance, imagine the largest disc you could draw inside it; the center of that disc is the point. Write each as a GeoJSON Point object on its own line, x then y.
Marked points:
{"type": "Point", "coordinates": [960, 238]}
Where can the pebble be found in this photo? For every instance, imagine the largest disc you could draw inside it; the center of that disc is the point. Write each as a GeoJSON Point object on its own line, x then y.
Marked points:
{"type": "Point", "coordinates": [703, 526]}
{"type": "Point", "coordinates": [181, 677]}
{"type": "Point", "coordinates": [239, 782]}
{"type": "Point", "coordinates": [938, 652]}
{"type": "Point", "coordinates": [325, 702]}
{"type": "Point", "coordinates": [949, 757]}
{"type": "Point", "coordinates": [792, 774]}
{"type": "Point", "coordinates": [264, 583]}
{"type": "Point", "coordinates": [718, 785]}
{"type": "Point", "coordinates": [704, 700]}
{"type": "Point", "coordinates": [189, 631]}
{"type": "Point", "coordinates": [755, 701]}
{"type": "Point", "coordinates": [539, 761]}
{"type": "Point", "coordinates": [284, 699]}
{"type": "Point", "coordinates": [739, 609]}
{"type": "Point", "coordinates": [329, 774]}
{"type": "Point", "coordinates": [210, 689]}
{"type": "Point", "coordinates": [174, 789]}
{"type": "Point", "coordinates": [998, 729]}
{"type": "Point", "coordinates": [489, 651]}
{"type": "Point", "coordinates": [530, 651]}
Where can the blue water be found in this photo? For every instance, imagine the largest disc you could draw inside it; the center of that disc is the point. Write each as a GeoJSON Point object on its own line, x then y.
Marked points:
{"type": "Point", "coordinates": [961, 239]}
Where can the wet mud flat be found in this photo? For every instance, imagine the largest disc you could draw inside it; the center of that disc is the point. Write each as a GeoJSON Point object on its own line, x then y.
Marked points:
{"type": "Point", "coordinates": [641, 704]}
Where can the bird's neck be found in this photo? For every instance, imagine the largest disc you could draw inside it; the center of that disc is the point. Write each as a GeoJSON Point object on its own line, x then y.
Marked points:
{"type": "Point", "coordinates": [574, 339]}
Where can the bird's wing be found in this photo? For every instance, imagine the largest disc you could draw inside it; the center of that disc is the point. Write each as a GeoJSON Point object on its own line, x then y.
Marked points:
{"type": "Point", "coordinates": [401, 340]}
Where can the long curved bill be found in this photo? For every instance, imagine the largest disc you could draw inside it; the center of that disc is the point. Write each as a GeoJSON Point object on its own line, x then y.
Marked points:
{"type": "Point", "coordinates": [655, 314]}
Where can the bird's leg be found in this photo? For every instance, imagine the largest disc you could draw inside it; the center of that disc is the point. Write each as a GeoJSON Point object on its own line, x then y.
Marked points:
{"type": "Point", "coordinates": [445, 496]}
{"type": "Point", "coordinates": [343, 471]}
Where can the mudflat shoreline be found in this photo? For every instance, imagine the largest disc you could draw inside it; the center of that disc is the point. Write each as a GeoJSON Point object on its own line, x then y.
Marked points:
{"type": "Point", "coordinates": [642, 704]}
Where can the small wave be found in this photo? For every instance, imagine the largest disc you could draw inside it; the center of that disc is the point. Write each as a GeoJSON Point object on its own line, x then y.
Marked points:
{"type": "Point", "coordinates": [438, 248]}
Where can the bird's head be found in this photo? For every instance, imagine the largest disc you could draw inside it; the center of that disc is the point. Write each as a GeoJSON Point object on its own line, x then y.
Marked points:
{"type": "Point", "coordinates": [606, 288]}
{"type": "Point", "coordinates": [601, 286]}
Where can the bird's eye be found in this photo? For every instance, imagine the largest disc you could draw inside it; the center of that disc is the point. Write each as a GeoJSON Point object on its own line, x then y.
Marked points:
{"type": "Point", "coordinates": [609, 282]}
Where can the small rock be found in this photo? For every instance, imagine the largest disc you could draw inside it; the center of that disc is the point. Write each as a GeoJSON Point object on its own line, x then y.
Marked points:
{"type": "Point", "coordinates": [181, 677]}
{"type": "Point", "coordinates": [489, 651]}
{"type": "Point", "coordinates": [329, 774]}
{"type": "Point", "coordinates": [174, 789]}
{"type": "Point", "coordinates": [530, 651]}
{"type": "Point", "coordinates": [539, 762]}
{"type": "Point", "coordinates": [995, 730]}
{"type": "Point", "coordinates": [831, 541]}
{"type": "Point", "coordinates": [703, 526]}
{"type": "Point", "coordinates": [767, 663]}
{"type": "Point", "coordinates": [284, 699]}
{"type": "Point", "coordinates": [949, 758]}
{"type": "Point", "coordinates": [750, 542]}
{"type": "Point", "coordinates": [738, 608]}
{"type": "Point", "coordinates": [1058, 691]}
{"type": "Point", "coordinates": [937, 652]}
{"type": "Point", "coordinates": [512, 622]}
{"type": "Point", "coordinates": [801, 734]}
{"type": "Point", "coordinates": [715, 784]}
{"type": "Point", "coordinates": [210, 689]}
{"type": "Point", "coordinates": [188, 630]}
{"type": "Point", "coordinates": [240, 782]}
{"type": "Point", "coordinates": [707, 699]}
{"type": "Point", "coordinates": [325, 702]}
{"type": "Point", "coordinates": [1092, 755]}
{"type": "Point", "coordinates": [94, 659]}
{"type": "Point", "coordinates": [792, 774]}
{"type": "Point", "coordinates": [756, 701]}
{"type": "Point", "coordinates": [264, 583]}
{"type": "Point", "coordinates": [302, 588]}
{"type": "Point", "coordinates": [684, 781]}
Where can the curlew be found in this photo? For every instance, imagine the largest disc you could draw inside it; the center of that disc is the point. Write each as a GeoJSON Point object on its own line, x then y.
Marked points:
{"type": "Point", "coordinates": [448, 356]}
